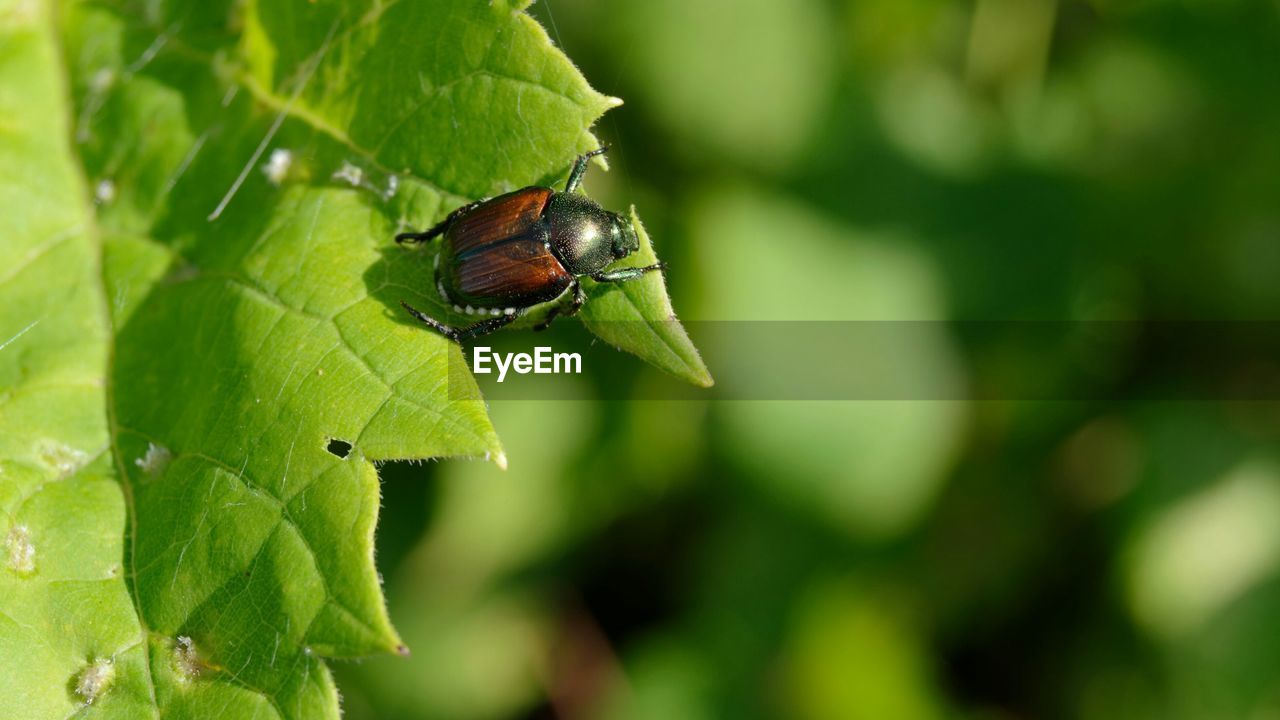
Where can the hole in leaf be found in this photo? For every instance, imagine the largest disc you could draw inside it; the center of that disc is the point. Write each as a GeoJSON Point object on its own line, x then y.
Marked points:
{"type": "Point", "coordinates": [340, 448]}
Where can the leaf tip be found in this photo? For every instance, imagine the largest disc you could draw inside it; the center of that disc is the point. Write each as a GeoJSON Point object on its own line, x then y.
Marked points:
{"type": "Point", "coordinates": [692, 368]}
{"type": "Point", "coordinates": [402, 650]}
{"type": "Point", "coordinates": [500, 459]}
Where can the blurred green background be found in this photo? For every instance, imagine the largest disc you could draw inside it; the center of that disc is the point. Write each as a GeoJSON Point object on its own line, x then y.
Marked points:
{"type": "Point", "coordinates": [887, 160]}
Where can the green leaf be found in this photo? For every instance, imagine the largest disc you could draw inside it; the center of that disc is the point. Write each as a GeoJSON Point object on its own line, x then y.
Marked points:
{"type": "Point", "coordinates": [68, 630]}
{"type": "Point", "coordinates": [636, 316]}
{"type": "Point", "coordinates": [202, 352]}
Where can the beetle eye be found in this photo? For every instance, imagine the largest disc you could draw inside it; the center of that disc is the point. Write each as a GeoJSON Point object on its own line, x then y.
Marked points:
{"type": "Point", "coordinates": [618, 244]}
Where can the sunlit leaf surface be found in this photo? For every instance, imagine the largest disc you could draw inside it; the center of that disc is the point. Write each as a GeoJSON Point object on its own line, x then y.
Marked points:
{"type": "Point", "coordinates": [203, 353]}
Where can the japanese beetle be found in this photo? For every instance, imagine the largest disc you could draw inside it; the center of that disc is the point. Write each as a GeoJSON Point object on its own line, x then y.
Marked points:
{"type": "Point", "coordinates": [504, 255]}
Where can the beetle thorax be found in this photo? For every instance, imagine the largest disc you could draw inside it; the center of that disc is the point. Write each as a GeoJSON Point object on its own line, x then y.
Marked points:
{"type": "Point", "coordinates": [582, 233]}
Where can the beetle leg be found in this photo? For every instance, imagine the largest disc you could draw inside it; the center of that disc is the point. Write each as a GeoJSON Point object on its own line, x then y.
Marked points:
{"type": "Point", "coordinates": [580, 168]}
{"type": "Point", "coordinates": [546, 321]}
{"type": "Point", "coordinates": [421, 237]}
{"type": "Point", "coordinates": [625, 273]}
{"type": "Point", "coordinates": [484, 327]}
{"type": "Point", "coordinates": [439, 228]}
{"type": "Point", "coordinates": [579, 297]}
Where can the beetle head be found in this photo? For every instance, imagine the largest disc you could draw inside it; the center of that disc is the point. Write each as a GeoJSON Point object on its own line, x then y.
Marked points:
{"type": "Point", "coordinates": [624, 240]}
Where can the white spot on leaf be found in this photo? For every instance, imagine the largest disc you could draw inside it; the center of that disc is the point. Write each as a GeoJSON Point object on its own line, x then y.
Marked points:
{"type": "Point", "coordinates": [22, 553]}
{"type": "Point", "coordinates": [156, 459]}
{"type": "Point", "coordinates": [350, 174]}
{"type": "Point", "coordinates": [95, 679]}
{"type": "Point", "coordinates": [277, 166]}
{"type": "Point", "coordinates": [104, 193]}
{"type": "Point", "coordinates": [186, 659]}
{"type": "Point", "coordinates": [62, 458]}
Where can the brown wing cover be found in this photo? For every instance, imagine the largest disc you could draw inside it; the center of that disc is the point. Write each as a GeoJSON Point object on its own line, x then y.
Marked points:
{"type": "Point", "coordinates": [500, 256]}
{"type": "Point", "coordinates": [498, 219]}
{"type": "Point", "coordinates": [517, 273]}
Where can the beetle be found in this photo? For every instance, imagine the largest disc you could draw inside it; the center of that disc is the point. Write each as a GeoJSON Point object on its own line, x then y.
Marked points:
{"type": "Point", "coordinates": [504, 255]}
